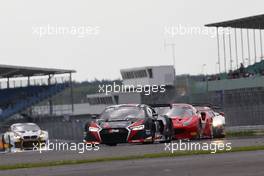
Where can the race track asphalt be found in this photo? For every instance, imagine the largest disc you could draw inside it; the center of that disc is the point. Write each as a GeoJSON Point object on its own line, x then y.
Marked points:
{"type": "Point", "coordinates": [111, 151]}
{"type": "Point", "coordinates": [227, 164]}
{"type": "Point", "coordinates": [188, 165]}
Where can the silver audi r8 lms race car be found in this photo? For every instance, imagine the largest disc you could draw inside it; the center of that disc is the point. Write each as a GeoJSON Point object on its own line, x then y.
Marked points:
{"type": "Point", "coordinates": [128, 123]}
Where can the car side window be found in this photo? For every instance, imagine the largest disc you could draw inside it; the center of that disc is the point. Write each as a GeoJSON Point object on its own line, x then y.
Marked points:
{"type": "Point", "coordinates": [149, 112]}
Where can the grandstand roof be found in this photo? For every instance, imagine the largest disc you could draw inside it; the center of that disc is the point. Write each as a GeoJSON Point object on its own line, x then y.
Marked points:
{"type": "Point", "coordinates": [252, 22]}
{"type": "Point", "coordinates": [10, 71]}
{"type": "Point", "coordinates": [145, 67]}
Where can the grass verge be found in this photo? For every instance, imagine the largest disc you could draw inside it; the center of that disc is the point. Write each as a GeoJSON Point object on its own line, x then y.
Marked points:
{"type": "Point", "coordinates": [249, 133]}
{"type": "Point", "coordinates": [122, 158]}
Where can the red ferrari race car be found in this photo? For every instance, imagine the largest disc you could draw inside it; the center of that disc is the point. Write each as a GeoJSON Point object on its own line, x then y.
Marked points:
{"type": "Point", "coordinates": [187, 122]}
{"type": "Point", "coordinates": [132, 123]}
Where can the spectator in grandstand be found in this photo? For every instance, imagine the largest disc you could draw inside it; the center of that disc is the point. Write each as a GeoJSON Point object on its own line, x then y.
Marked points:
{"type": "Point", "coordinates": [262, 72]}
{"type": "Point", "coordinates": [242, 69]}
{"type": "Point", "coordinates": [236, 74]}
{"type": "Point", "coordinates": [230, 74]}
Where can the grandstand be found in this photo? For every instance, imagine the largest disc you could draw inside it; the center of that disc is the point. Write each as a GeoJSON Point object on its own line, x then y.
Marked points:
{"type": "Point", "coordinates": [21, 88]}
{"type": "Point", "coordinates": [242, 45]}
{"type": "Point", "coordinates": [238, 87]}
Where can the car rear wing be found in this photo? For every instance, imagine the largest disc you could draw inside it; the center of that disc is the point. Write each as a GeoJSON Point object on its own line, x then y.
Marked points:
{"type": "Point", "coordinates": [214, 107]}
{"type": "Point", "coordinates": [160, 105]}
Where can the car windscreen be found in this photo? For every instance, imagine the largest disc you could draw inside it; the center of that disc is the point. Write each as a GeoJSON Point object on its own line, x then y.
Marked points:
{"type": "Point", "coordinates": [179, 112]}
{"type": "Point", "coordinates": [122, 113]}
{"type": "Point", "coordinates": [25, 127]}
{"type": "Point", "coordinates": [162, 110]}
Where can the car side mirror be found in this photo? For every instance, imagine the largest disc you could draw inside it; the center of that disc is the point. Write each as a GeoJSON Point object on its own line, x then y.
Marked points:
{"type": "Point", "coordinates": [222, 113]}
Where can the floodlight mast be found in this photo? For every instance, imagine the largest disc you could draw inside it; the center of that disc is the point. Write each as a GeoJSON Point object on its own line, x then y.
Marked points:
{"type": "Point", "coordinates": [218, 51]}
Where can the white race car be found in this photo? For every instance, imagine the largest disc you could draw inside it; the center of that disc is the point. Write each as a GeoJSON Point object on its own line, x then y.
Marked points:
{"type": "Point", "coordinates": [25, 136]}
{"type": "Point", "coordinates": [218, 121]}
{"type": "Point", "coordinates": [219, 124]}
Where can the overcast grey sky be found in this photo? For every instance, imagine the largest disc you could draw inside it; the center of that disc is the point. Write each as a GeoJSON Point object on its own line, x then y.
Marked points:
{"type": "Point", "coordinates": [129, 33]}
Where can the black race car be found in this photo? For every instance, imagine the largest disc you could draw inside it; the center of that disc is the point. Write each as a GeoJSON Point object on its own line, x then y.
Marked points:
{"type": "Point", "coordinates": [132, 123]}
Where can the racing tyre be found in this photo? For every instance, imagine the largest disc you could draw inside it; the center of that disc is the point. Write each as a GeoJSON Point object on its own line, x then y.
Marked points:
{"type": "Point", "coordinates": [211, 132]}
{"type": "Point", "coordinates": [9, 143]}
{"type": "Point", "coordinates": [218, 135]}
{"type": "Point", "coordinates": [199, 131]}
{"type": "Point", "coordinates": [3, 143]}
{"type": "Point", "coordinates": [153, 132]}
{"type": "Point", "coordinates": [169, 131]}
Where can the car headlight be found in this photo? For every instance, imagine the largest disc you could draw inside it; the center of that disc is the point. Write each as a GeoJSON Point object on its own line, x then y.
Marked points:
{"type": "Point", "coordinates": [136, 128]}
{"type": "Point", "coordinates": [17, 136]}
{"type": "Point", "coordinates": [93, 129]}
{"type": "Point", "coordinates": [217, 122]}
{"type": "Point", "coordinates": [186, 123]}
{"type": "Point", "coordinates": [42, 134]}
